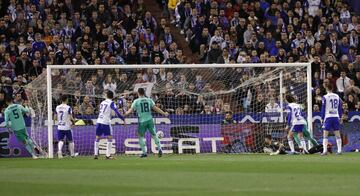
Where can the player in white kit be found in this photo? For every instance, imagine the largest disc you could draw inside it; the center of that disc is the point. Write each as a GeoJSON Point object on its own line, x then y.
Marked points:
{"type": "Point", "coordinates": [103, 124]}
{"type": "Point", "coordinates": [65, 120]}
{"type": "Point", "coordinates": [331, 112]}
{"type": "Point", "coordinates": [295, 123]}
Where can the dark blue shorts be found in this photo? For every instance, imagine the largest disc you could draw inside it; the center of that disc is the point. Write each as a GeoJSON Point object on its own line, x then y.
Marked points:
{"type": "Point", "coordinates": [103, 130]}
{"type": "Point", "coordinates": [62, 134]}
{"type": "Point", "coordinates": [297, 128]}
{"type": "Point", "coordinates": [332, 124]}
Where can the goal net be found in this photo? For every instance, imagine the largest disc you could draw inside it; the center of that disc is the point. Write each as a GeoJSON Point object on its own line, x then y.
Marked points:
{"type": "Point", "coordinates": [213, 108]}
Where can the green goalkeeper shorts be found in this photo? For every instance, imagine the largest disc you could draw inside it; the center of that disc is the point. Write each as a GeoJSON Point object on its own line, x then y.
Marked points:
{"type": "Point", "coordinates": [21, 135]}
{"type": "Point", "coordinates": [147, 125]}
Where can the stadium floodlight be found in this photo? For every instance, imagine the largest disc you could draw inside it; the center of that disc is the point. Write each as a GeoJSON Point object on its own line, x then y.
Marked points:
{"type": "Point", "coordinates": [245, 89]}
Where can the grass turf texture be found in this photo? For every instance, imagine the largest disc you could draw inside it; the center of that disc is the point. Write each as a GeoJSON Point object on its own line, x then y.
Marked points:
{"type": "Point", "coordinates": [184, 175]}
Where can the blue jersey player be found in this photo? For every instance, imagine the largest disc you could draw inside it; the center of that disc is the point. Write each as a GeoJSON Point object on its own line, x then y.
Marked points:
{"type": "Point", "coordinates": [65, 121]}
{"type": "Point", "coordinates": [331, 112]}
{"type": "Point", "coordinates": [103, 124]}
{"type": "Point", "coordinates": [295, 123]}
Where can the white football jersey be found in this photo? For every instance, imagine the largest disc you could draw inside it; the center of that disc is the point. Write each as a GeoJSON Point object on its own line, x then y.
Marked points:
{"type": "Point", "coordinates": [105, 110]}
{"type": "Point", "coordinates": [296, 114]}
{"type": "Point", "coordinates": [64, 113]}
{"type": "Point", "coordinates": [331, 103]}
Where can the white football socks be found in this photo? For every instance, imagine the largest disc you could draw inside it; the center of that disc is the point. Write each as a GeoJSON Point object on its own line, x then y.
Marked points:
{"type": "Point", "coordinates": [60, 146]}
{"type": "Point", "coordinates": [291, 144]}
{"type": "Point", "coordinates": [71, 149]}
{"type": "Point", "coordinates": [325, 144]}
{"type": "Point", "coordinates": [108, 148]}
{"type": "Point", "coordinates": [303, 144]}
{"type": "Point", "coordinates": [339, 144]}
{"type": "Point", "coordinates": [96, 148]}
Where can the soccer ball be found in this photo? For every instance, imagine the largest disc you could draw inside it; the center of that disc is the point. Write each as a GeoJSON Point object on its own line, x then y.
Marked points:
{"type": "Point", "coordinates": [160, 134]}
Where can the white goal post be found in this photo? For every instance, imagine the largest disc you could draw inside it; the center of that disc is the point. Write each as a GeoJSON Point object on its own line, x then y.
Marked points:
{"type": "Point", "coordinates": [49, 81]}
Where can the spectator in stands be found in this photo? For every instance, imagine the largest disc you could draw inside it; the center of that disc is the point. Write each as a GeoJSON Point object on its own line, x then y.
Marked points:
{"type": "Point", "coordinates": [258, 105]}
{"type": "Point", "coordinates": [272, 106]}
{"type": "Point", "coordinates": [168, 101]}
{"type": "Point", "coordinates": [352, 89]}
{"type": "Point", "coordinates": [342, 83]}
{"type": "Point", "coordinates": [218, 106]}
{"type": "Point", "coordinates": [351, 101]}
{"type": "Point", "coordinates": [199, 104]}
{"type": "Point", "coordinates": [317, 97]}
{"type": "Point", "coordinates": [207, 110]}
{"type": "Point", "coordinates": [179, 111]}
{"type": "Point", "coordinates": [85, 105]}
{"type": "Point", "coordinates": [109, 83]}
{"type": "Point", "coordinates": [228, 119]}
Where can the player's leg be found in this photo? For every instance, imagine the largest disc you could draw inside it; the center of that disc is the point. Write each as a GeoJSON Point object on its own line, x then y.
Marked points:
{"type": "Point", "coordinates": [297, 139]}
{"type": "Point", "coordinates": [325, 142]}
{"type": "Point", "coordinates": [152, 129]}
{"type": "Point", "coordinates": [302, 142]}
{"type": "Point", "coordinates": [298, 129]}
{"type": "Point", "coordinates": [141, 135]}
{"type": "Point", "coordinates": [109, 137]}
{"type": "Point", "coordinates": [338, 142]}
{"type": "Point", "coordinates": [291, 141]}
{"type": "Point", "coordinates": [336, 126]}
{"type": "Point", "coordinates": [329, 124]}
{"type": "Point", "coordinates": [23, 137]}
{"type": "Point", "coordinates": [61, 136]}
{"type": "Point", "coordinates": [69, 137]}
{"type": "Point", "coordinates": [308, 136]}
{"type": "Point", "coordinates": [99, 133]}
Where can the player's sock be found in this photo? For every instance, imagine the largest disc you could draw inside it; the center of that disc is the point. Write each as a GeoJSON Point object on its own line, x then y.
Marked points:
{"type": "Point", "coordinates": [339, 144]}
{"type": "Point", "coordinates": [308, 136]}
{"type": "Point", "coordinates": [157, 142]}
{"type": "Point", "coordinates": [142, 144]}
{"type": "Point", "coordinates": [303, 144]}
{"type": "Point", "coordinates": [297, 139]}
{"type": "Point", "coordinates": [71, 148]}
{"type": "Point", "coordinates": [30, 147]}
{"type": "Point", "coordinates": [291, 145]}
{"type": "Point", "coordinates": [96, 148]}
{"type": "Point", "coordinates": [60, 146]}
{"type": "Point", "coordinates": [108, 147]}
{"type": "Point", "coordinates": [325, 144]}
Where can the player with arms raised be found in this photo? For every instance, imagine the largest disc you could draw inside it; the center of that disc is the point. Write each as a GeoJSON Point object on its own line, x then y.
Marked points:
{"type": "Point", "coordinates": [295, 123]}
{"type": "Point", "coordinates": [331, 112]}
{"type": "Point", "coordinates": [65, 120]}
{"type": "Point", "coordinates": [14, 114]}
{"type": "Point", "coordinates": [143, 107]}
{"type": "Point", "coordinates": [103, 124]}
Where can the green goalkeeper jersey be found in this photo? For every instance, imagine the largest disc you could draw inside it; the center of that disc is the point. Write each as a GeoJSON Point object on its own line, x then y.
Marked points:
{"type": "Point", "coordinates": [143, 107]}
{"type": "Point", "coordinates": [14, 114]}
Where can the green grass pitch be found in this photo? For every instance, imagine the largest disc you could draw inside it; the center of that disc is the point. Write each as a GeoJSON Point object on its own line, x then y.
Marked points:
{"type": "Point", "coordinates": [215, 174]}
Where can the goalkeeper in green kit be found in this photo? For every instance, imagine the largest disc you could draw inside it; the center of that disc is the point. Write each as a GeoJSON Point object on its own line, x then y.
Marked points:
{"type": "Point", "coordinates": [143, 107]}
{"type": "Point", "coordinates": [14, 114]}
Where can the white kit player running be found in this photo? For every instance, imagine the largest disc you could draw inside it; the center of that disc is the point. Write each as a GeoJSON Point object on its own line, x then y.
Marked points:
{"type": "Point", "coordinates": [295, 123]}
{"type": "Point", "coordinates": [65, 121]}
{"type": "Point", "coordinates": [103, 124]}
{"type": "Point", "coordinates": [331, 112]}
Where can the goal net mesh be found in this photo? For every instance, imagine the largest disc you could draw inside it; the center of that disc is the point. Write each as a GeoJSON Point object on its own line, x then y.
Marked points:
{"type": "Point", "coordinates": [224, 110]}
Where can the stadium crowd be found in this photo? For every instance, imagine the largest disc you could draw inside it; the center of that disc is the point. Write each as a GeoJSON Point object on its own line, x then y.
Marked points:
{"type": "Point", "coordinates": [37, 33]}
